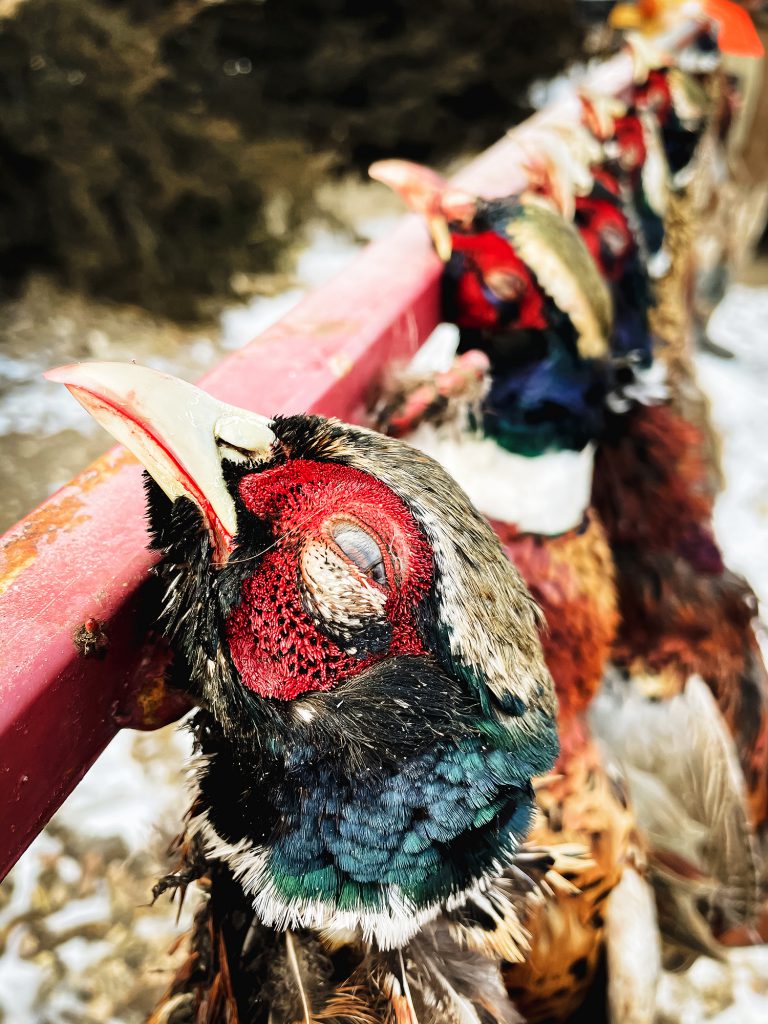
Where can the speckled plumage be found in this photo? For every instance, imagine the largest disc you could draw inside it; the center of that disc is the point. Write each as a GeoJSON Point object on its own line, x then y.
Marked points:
{"type": "Point", "coordinates": [571, 576]}
{"type": "Point", "coordinates": [586, 804]}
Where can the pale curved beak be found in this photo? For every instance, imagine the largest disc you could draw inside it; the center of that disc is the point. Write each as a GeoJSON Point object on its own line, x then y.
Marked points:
{"type": "Point", "coordinates": [421, 189]}
{"type": "Point", "coordinates": [556, 159]}
{"type": "Point", "coordinates": [180, 434]}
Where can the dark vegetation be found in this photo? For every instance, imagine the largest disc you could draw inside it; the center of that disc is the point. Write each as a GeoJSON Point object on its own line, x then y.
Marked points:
{"type": "Point", "coordinates": [149, 148]}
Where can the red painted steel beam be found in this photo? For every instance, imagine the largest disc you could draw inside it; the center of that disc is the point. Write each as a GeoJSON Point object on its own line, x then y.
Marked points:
{"type": "Point", "coordinates": [78, 660]}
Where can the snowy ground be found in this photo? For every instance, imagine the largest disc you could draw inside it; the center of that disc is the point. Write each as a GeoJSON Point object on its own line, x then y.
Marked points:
{"type": "Point", "coordinates": [738, 391]}
{"type": "Point", "coordinates": [78, 940]}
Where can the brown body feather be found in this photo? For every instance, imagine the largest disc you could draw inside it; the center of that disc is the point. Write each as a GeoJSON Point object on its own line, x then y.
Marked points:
{"type": "Point", "coordinates": [571, 577]}
{"type": "Point", "coordinates": [584, 805]}
{"type": "Point", "coordinates": [682, 612]}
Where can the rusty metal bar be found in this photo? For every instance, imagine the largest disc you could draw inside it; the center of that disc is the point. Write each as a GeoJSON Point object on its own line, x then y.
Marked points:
{"type": "Point", "coordinates": [78, 660]}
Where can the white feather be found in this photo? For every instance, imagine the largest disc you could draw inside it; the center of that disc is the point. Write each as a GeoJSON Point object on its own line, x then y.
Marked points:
{"type": "Point", "coordinates": [547, 494]}
{"type": "Point", "coordinates": [633, 951]}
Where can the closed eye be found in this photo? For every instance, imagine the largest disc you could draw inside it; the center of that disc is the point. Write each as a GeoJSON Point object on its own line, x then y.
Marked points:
{"type": "Point", "coordinates": [362, 550]}
{"type": "Point", "coordinates": [505, 286]}
{"type": "Point", "coordinates": [613, 239]}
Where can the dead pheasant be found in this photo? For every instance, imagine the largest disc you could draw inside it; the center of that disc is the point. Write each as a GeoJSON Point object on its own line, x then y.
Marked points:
{"type": "Point", "coordinates": [373, 705]}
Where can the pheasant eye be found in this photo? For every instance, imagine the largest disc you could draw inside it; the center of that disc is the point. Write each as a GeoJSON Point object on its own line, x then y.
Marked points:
{"type": "Point", "coordinates": [613, 239]}
{"type": "Point", "coordinates": [362, 550]}
{"type": "Point", "coordinates": [504, 285]}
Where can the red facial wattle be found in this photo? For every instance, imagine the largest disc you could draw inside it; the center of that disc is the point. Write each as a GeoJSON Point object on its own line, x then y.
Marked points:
{"type": "Point", "coordinates": [493, 278]}
{"type": "Point", "coordinates": [605, 232]}
{"type": "Point", "coordinates": [628, 132]}
{"type": "Point", "coordinates": [280, 647]}
{"type": "Point", "coordinates": [655, 95]}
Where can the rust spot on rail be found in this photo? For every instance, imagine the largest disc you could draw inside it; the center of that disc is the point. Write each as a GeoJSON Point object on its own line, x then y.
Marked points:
{"type": "Point", "coordinates": [20, 547]}
{"type": "Point", "coordinates": [103, 468]}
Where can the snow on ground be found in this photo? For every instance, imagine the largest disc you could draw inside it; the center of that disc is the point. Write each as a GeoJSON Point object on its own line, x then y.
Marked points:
{"type": "Point", "coordinates": [733, 992]}
{"type": "Point", "coordinates": [738, 391]}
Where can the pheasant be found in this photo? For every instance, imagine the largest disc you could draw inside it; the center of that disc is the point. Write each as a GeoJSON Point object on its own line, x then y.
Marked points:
{"type": "Point", "coordinates": [521, 285]}
{"type": "Point", "coordinates": [372, 707]}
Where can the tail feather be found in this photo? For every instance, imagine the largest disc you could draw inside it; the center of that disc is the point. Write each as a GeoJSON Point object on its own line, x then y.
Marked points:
{"type": "Point", "coordinates": [689, 794]}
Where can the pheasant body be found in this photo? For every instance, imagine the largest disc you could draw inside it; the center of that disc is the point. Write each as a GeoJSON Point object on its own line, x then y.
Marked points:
{"type": "Point", "coordinates": [372, 708]}
{"type": "Point", "coordinates": [571, 577]}
{"type": "Point", "coordinates": [683, 612]}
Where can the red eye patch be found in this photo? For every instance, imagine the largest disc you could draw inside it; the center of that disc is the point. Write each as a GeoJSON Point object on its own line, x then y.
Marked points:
{"type": "Point", "coordinates": [491, 260]}
{"type": "Point", "coordinates": [276, 642]}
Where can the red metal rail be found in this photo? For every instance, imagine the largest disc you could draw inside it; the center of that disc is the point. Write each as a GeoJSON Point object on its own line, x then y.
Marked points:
{"type": "Point", "coordinates": [77, 660]}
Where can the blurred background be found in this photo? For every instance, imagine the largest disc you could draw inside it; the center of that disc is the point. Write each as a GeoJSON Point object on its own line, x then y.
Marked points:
{"type": "Point", "coordinates": [173, 177]}
{"type": "Point", "coordinates": [163, 166]}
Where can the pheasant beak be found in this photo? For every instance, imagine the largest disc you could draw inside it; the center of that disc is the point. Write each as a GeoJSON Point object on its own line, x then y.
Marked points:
{"type": "Point", "coordinates": [441, 237]}
{"type": "Point", "coordinates": [421, 190]}
{"type": "Point", "coordinates": [180, 434]}
{"type": "Point", "coordinates": [544, 161]}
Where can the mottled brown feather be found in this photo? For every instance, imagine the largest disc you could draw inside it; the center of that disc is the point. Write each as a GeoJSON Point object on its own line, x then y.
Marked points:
{"type": "Point", "coordinates": [682, 611]}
